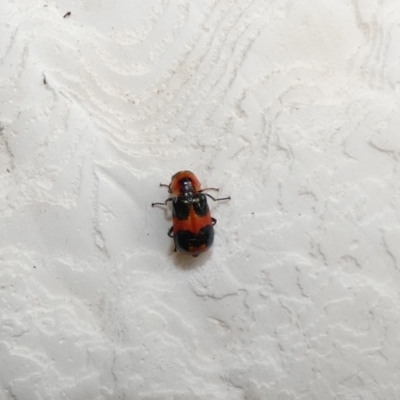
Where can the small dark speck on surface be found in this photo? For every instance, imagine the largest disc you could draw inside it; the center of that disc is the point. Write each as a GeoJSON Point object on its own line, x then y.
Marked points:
{"type": "Point", "coordinates": [8, 170]}
{"type": "Point", "coordinates": [67, 14]}
{"type": "Point", "coordinates": [34, 266]}
{"type": "Point", "coordinates": [44, 80]}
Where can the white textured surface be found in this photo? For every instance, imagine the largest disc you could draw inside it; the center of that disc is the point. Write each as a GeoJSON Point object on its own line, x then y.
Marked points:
{"type": "Point", "coordinates": [292, 107]}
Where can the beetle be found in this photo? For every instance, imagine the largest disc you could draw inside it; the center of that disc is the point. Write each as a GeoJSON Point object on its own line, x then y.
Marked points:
{"type": "Point", "coordinates": [193, 226]}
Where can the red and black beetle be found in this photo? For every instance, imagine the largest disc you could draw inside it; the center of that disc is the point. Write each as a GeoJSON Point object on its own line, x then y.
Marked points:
{"type": "Point", "coordinates": [192, 228]}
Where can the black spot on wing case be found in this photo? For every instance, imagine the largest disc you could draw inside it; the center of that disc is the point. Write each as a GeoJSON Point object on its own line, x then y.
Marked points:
{"type": "Point", "coordinates": [181, 206]}
{"type": "Point", "coordinates": [200, 205]}
{"type": "Point", "coordinates": [185, 240]}
{"type": "Point", "coordinates": [180, 209]}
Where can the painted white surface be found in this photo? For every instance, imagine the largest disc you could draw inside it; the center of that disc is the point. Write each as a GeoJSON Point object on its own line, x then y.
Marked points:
{"type": "Point", "coordinates": [290, 107]}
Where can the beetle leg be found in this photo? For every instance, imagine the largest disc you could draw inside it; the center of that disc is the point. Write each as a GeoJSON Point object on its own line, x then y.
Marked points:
{"type": "Point", "coordinates": [203, 190]}
{"type": "Point", "coordinates": [171, 235]}
{"type": "Point", "coordinates": [167, 186]}
{"type": "Point", "coordinates": [162, 204]}
{"type": "Point", "coordinates": [213, 198]}
{"type": "Point", "coordinates": [214, 221]}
